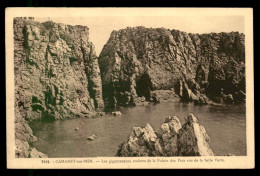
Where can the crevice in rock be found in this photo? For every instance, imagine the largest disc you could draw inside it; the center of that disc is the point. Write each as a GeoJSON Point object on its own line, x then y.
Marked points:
{"type": "Point", "coordinates": [86, 59]}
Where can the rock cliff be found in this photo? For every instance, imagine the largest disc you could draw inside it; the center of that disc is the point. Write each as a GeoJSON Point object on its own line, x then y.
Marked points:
{"type": "Point", "coordinates": [157, 63]}
{"type": "Point", "coordinates": [56, 71]}
{"type": "Point", "coordinates": [56, 74]}
{"type": "Point", "coordinates": [172, 139]}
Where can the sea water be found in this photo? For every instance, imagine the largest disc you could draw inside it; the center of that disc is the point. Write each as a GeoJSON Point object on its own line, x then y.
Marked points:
{"type": "Point", "coordinates": [226, 126]}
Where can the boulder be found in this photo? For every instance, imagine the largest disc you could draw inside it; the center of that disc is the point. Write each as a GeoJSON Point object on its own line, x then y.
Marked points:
{"type": "Point", "coordinates": [227, 98]}
{"type": "Point", "coordinates": [101, 113]}
{"type": "Point", "coordinates": [193, 139]}
{"type": "Point", "coordinates": [168, 135]}
{"type": "Point", "coordinates": [172, 139]}
{"type": "Point", "coordinates": [141, 142]}
{"type": "Point", "coordinates": [36, 154]}
{"type": "Point", "coordinates": [92, 137]}
{"type": "Point", "coordinates": [116, 113]}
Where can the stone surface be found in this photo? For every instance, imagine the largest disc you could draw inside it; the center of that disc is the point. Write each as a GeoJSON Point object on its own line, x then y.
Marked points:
{"type": "Point", "coordinates": [92, 137]}
{"type": "Point", "coordinates": [230, 154]}
{"type": "Point", "coordinates": [36, 154]}
{"type": "Point", "coordinates": [141, 142]}
{"type": "Point", "coordinates": [193, 139]}
{"type": "Point", "coordinates": [116, 113]}
{"type": "Point", "coordinates": [56, 71]}
{"type": "Point", "coordinates": [162, 64]}
{"type": "Point", "coordinates": [172, 139]}
{"type": "Point", "coordinates": [164, 96]}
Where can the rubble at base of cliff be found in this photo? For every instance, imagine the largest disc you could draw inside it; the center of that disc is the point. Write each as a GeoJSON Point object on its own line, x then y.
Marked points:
{"type": "Point", "coordinates": [172, 139]}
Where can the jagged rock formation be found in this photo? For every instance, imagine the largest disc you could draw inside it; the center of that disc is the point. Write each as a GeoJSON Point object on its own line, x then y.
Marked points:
{"type": "Point", "coordinates": [171, 139]}
{"type": "Point", "coordinates": [56, 75]}
{"type": "Point", "coordinates": [137, 62]}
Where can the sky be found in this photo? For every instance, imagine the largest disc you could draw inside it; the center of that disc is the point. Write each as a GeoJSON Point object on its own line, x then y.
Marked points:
{"type": "Point", "coordinates": [100, 27]}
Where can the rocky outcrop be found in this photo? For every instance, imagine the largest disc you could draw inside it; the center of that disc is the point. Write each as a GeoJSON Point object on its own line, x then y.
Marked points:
{"type": "Point", "coordinates": [56, 71]}
{"type": "Point", "coordinates": [172, 139]}
{"type": "Point", "coordinates": [56, 76]}
{"type": "Point", "coordinates": [136, 62]}
{"type": "Point", "coordinates": [23, 138]}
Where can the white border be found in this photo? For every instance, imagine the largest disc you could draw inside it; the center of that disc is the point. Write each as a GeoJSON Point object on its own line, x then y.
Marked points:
{"type": "Point", "coordinates": [229, 162]}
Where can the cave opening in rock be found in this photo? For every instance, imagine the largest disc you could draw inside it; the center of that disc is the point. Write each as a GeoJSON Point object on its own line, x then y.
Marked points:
{"type": "Point", "coordinates": [143, 87]}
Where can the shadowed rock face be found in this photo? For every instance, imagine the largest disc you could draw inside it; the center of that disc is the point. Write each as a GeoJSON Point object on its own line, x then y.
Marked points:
{"type": "Point", "coordinates": [56, 76]}
{"type": "Point", "coordinates": [171, 139]}
{"type": "Point", "coordinates": [135, 62]}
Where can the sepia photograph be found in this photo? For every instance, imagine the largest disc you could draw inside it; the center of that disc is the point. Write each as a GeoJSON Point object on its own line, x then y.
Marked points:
{"type": "Point", "coordinates": [87, 87]}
